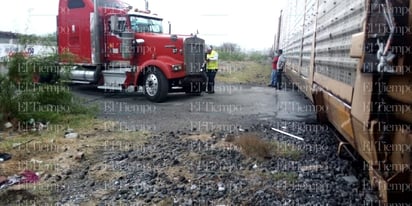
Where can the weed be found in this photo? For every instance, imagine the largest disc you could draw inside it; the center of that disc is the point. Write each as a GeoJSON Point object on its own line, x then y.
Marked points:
{"type": "Point", "coordinates": [286, 150]}
{"type": "Point", "coordinates": [288, 176]}
{"type": "Point", "coordinates": [255, 147]}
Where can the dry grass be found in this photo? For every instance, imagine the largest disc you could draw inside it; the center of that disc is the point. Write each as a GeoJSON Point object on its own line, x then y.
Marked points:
{"type": "Point", "coordinates": [50, 153]}
{"type": "Point", "coordinates": [246, 72]}
{"type": "Point", "coordinates": [48, 150]}
{"type": "Point", "coordinates": [106, 172]}
{"type": "Point", "coordinates": [254, 146]}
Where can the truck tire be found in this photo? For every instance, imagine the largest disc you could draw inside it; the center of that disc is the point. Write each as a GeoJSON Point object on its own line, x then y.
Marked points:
{"type": "Point", "coordinates": [156, 85]}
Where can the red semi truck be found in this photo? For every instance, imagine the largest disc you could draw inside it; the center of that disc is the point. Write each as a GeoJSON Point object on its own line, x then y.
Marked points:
{"type": "Point", "coordinates": [117, 47]}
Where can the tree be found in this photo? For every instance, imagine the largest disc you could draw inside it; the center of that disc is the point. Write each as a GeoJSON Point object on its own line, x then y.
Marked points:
{"type": "Point", "coordinates": [229, 47]}
{"type": "Point", "coordinates": [231, 52]}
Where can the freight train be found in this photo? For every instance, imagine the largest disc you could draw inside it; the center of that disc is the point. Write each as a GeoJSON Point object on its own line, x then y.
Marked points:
{"type": "Point", "coordinates": [353, 59]}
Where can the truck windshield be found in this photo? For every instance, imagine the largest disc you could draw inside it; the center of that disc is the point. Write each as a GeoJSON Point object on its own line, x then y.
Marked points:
{"type": "Point", "coordinates": [146, 24]}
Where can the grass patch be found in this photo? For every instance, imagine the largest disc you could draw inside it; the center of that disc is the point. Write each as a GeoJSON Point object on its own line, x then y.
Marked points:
{"type": "Point", "coordinates": [286, 150]}
{"type": "Point", "coordinates": [253, 146]}
{"type": "Point", "coordinates": [43, 150]}
{"type": "Point", "coordinates": [245, 72]}
{"type": "Point", "coordinates": [287, 176]}
{"type": "Point", "coordinates": [50, 103]}
{"type": "Point", "coordinates": [79, 123]}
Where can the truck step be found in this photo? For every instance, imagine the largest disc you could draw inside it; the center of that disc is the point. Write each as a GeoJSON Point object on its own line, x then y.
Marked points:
{"type": "Point", "coordinates": [76, 82]}
{"type": "Point", "coordinates": [111, 88]}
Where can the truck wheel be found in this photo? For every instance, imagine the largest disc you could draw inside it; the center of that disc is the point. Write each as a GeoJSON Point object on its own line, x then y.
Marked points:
{"type": "Point", "coordinates": [155, 85]}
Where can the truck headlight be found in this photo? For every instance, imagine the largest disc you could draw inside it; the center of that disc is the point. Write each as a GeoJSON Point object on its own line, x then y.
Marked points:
{"type": "Point", "coordinates": [176, 67]}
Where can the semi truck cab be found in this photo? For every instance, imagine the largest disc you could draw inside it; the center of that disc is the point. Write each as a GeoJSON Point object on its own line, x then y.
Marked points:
{"type": "Point", "coordinates": [117, 47]}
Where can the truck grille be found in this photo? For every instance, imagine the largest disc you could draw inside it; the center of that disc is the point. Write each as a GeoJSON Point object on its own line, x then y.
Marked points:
{"type": "Point", "coordinates": [194, 52]}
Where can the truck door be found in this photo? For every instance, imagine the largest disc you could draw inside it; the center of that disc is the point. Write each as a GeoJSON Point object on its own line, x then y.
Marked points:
{"type": "Point", "coordinates": [114, 27]}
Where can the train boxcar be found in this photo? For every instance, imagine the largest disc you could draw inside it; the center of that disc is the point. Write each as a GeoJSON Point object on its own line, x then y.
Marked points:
{"type": "Point", "coordinates": [353, 60]}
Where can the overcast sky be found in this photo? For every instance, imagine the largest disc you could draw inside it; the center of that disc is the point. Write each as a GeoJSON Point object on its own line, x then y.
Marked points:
{"type": "Point", "coordinates": [250, 24]}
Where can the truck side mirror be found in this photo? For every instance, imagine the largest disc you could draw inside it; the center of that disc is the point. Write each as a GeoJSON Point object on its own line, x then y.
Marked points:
{"type": "Point", "coordinates": [117, 24]}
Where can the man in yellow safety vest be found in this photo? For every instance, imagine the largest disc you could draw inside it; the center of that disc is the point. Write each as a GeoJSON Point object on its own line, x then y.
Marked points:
{"type": "Point", "coordinates": [212, 65]}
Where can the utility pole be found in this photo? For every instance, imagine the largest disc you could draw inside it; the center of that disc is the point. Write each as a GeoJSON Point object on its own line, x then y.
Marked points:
{"type": "Point", "coordinates": [278, 35]}
{"type": "Point", "coordinates": [274, 43]}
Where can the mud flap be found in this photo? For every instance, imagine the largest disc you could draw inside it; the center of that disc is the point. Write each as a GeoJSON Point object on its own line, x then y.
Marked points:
{"type": "Point", "coordinates": [319, 103]}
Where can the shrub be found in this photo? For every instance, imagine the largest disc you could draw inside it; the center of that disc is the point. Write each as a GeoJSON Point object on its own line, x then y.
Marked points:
{"type": "Point", "coordinates": [254, 146]}
{"type": "Point", "coordinates": [23, 99]}
{"type": "Point", "coordinates": [49, 103]}
{"type": "Point", "coordinates": [8, 100]}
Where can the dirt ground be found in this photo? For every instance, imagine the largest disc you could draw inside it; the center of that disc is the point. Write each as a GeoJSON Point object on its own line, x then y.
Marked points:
{"type": "Point", "coordinates": [140, 153]}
